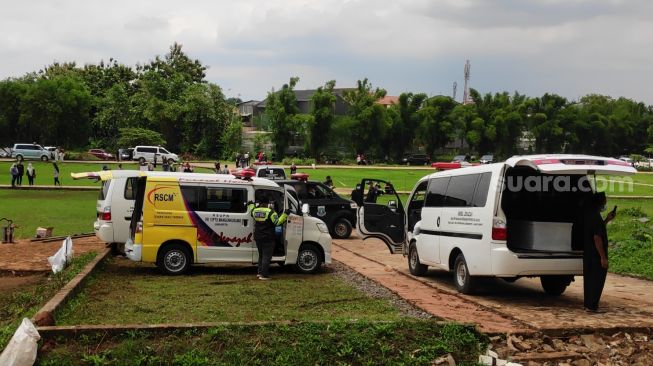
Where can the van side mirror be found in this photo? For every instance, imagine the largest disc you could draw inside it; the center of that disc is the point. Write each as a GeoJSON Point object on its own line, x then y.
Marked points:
{"type": "Point", "coordinates": [305, 209]}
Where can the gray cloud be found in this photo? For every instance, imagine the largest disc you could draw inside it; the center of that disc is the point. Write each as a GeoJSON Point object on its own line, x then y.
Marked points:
{"type": "Point", "coordinates": [571, 47]}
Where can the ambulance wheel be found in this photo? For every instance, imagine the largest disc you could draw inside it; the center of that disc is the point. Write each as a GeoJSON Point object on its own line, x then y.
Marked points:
{"type": "Point", "coordinates": [341, 228]}
{"type": "Point", "coordinates": [555, 285]}
{"type": "Point", "coordinates": [463, 281]}
{"type": "Point", "coordinates": [416, 268]}
{"type": "Point", "coordinates": [174, 259]}
{"type": "Point", "coordinates": [309, 259]}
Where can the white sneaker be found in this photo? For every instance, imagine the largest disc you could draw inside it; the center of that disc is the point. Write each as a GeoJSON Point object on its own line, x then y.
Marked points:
{"type": "Point", "coordinates": [264, 278]}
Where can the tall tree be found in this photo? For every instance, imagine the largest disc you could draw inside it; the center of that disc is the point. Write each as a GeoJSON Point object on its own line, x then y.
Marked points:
{"type": "Point", "coordinates": [371, 120]}
{"type": "Point", "coordinates": [404, 123]}
{"type": "Point", "coordinates": [436, 129]}
{"type": "Point", "coordinates": [280, 108]}
{"type": "Point", "coordinates": [323, 110]}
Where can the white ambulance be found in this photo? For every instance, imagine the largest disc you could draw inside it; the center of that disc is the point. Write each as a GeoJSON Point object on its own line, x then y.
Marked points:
{"type": "Point", "coordinates": [518, 218]}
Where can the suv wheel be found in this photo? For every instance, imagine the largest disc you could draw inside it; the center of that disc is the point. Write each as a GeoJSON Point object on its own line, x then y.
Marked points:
{"type": "Point", "coordinates": [171, 161]}
{"type": "Point", "coordinates": [341, 228]}
{"type": "Point", "coordinates": [44, 158]}
{"type": "Point", "coordinates": [141, 160]}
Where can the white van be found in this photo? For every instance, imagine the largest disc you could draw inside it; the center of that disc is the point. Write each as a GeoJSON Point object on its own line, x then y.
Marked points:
{"type": "Point", "coordinates": [194, 218]}
{"type": "Point", "coordinates": [147, 153]}
{"type": "Point", "coordinates": [115, 203]}
{"type": "Point", "coordinates": [519, 218]}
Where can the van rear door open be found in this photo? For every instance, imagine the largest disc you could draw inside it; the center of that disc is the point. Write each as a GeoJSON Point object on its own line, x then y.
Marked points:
{"type": "Point", "coordinates": [381, 215]}
{"type": "Point", "coordinates": [573, 164]}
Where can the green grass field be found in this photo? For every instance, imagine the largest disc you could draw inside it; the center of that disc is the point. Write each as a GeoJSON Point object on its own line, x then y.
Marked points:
{"type": "Point", "coordinates": [333, 343]}
{"type": "Point", "coordinates": [67, 211]}
{"type": "Point", "coordinates": [125, 292]}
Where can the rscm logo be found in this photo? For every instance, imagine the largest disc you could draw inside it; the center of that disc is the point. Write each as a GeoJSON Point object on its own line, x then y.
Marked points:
{"type": "Point", "coordinates": [169, 197]}
{"type": "Point", "coordinates": [157, 195]}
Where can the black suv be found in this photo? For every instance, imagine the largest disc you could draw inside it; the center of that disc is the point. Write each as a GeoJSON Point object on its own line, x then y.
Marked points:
{"type": "Point", "coordinates": [416, 159]}
{"type": "Point", "coordinates": [338, 214]}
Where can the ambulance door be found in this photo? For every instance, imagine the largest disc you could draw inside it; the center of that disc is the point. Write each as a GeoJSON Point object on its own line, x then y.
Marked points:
{"type": "Point", "coordinates": [224, 227]}
{"type": "Point", "coordinates": [294, 227]}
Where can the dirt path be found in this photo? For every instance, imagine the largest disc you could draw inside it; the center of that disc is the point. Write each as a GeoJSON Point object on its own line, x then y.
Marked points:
{"type": "Point", "coordinates": [26, 256]}
{"type": "Point", "coordinates": [499, 305]}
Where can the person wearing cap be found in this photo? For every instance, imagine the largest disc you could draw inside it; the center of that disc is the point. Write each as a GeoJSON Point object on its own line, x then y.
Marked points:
{"type": "Point", "coordinates": [266, 219]}
{"type": "Point", "coordinates": [595, 251]}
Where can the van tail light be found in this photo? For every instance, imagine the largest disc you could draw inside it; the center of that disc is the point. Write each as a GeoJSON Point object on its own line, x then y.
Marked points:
{"type": "Point", "coordinates": [139, 228]}
{"type": "Point", "coordinates": [105, 214]}
{"type": "Point", "coordinates": [499, 230]}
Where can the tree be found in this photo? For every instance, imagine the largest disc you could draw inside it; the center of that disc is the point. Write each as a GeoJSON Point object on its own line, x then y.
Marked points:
{"type": "Point", "coordinates": [279, 109]}
{"type": "Point", "coordinates": [436, 128]}
{"type": "Point", "coordinates": [113, 114]}
{"type": "Point", "coordinates": [139, 136]}
{"type": "Point", "coordinates": [51, 106]}
{"type": "Point", "coordinates": [12, 92]}
{"type": "Point", "coordinates": [404, 123]}
{"type": "Point", "coordinates": [232, 137]}
{"type": "Point", "coordinates": [371, 122]}
{"type": "Point", "coordinates": [322, 110]}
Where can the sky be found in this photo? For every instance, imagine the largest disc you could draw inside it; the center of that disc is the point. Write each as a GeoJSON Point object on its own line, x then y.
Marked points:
{"type": "Point", "coordinates": [568, 47]}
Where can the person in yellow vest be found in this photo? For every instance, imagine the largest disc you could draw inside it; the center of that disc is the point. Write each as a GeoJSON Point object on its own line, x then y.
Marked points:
{"type": "Point", "coordinates": [266, 219]}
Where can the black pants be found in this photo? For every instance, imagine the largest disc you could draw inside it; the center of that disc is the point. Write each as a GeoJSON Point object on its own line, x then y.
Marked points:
{"type": "Point", "coordinates": [593, 281]}
{"type": "Point", "coordinates": [20, 180]}
{"type": "Point", "coordinates": [265, 249]}
{"type": "Point", "coordinates": [56, 181]}
{"type": "Point", "coordinates": [14, 178]}
{"type": "Point", "coordinates": [30, 179]}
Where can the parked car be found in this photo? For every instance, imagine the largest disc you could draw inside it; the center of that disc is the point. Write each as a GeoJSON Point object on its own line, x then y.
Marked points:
{"type": "Point", "coordinates": [459, 159]}
{"type": "Point", "coordinates": [271, 172]}
{"type": "Point", "coordinates": [339, 214]}
{"type": "Point", "coordinates": [487, 159]}
{"type": "Point", "coordinates": [101, 154]}
{"type": "Point", "coordinates": [30, 151]}
{"type": "Point", "coordinates": [416, 159]}
{"type": "Point", "coordinates": [127, 154]}
{"type": "Point", "coordinates": [148, 153]}
{"type": "Point", "coordinates": [51, 149]}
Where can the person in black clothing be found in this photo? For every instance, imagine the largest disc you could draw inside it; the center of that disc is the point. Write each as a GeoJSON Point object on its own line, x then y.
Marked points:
{"type": "Point", "coordinates": [293, 168]}
{"type": "Point", "coordinates": [357, 195]}
{"type": "Point", "coordinates": [328, 182]}
{"type": "Point", "coordinates": [21, 172]}
{"type": "Point", "coordinates": [372, 193]}
{"type": "Point", "coordinates": [595, 253]}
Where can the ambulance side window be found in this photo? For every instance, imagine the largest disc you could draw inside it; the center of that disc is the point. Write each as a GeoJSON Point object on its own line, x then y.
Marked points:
{"type": "Point", "coordinates": [129, 188]}
{"type": "Point", "coordinates": [224, 199]}
{"type": "Point", "coordinates": [191, 197]}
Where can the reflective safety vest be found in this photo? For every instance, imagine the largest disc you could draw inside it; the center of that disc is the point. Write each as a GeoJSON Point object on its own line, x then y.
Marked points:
{"type": "Point", "coordinates": [265, 220]}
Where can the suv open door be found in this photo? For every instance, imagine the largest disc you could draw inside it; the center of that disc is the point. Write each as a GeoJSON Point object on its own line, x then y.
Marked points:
{"type": "Point", "coordinates": [381, 214]}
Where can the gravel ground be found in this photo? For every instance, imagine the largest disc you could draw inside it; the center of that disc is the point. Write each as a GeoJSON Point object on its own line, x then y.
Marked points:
{"type": "Point", "coordinates": [376, 290]}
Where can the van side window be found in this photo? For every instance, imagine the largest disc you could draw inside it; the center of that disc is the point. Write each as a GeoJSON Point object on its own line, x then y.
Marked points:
{"type": "Point", "coordinates": [191, 196]}
{"type": "Point", "coordinates": [480, 195]}
{"type": "Point", "coordinates": [223, 199]}
{"type": "Point", "coordinates": [436, 192]}
{"type": "Point", "coordinates": [129, 188]}
{"type": "Point", "coordinates": [461, 190]}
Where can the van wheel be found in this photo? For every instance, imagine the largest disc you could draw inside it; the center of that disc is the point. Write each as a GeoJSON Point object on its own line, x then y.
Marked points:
{"type": "Point", "coordinates": [555, 285]}
{"type": "Point", "coordinates": [416, 268]}
{"type": "Point", "coordinates": [141, 160]}
{"type": "Point", "coordinates": [174, 260]}
{"type": "Point", "coordinates": [171, 161]}
{"type": "Point", "coordinates": [19, 157]}
{"type": "Point", "coordinates": [309, 259]}
{"type": "Point", "coordinates": [44, 158]}
{"type": "Point", "coordinates": [461, 277]}
{"type": "Point", "coordinates": [341, 228]}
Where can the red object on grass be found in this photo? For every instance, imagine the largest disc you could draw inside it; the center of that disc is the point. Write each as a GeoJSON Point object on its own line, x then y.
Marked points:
{"type": "Point", "coordinates": [299, 176]}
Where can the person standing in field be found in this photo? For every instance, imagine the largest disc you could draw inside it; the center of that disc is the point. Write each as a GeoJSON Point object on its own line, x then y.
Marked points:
{"type": "Point", "coordinates": [21, 172]}
{"type": "Point", "coordinates": [56, 154]}
{"type": "Point", "coordinates": [31, 174]}
{"type": "Point", "coordinates": [14, 175]}
{"type": "Point", "coordinates": [595, 252]}
{"type": "Point", "coordinates": [55, 174]}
